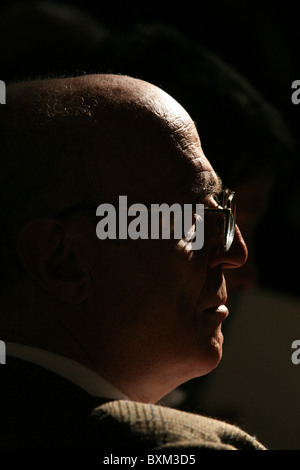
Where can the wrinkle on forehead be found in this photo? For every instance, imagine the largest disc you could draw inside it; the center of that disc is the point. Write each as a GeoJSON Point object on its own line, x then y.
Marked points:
{"type": "Point", "coordinates": [203, 179]}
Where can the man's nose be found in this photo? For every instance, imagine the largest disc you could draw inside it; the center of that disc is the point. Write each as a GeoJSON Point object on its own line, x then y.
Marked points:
{"type": "Point", "coordinates": [235, 257]}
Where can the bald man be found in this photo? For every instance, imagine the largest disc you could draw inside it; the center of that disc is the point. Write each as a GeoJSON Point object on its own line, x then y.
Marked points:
{"type": "Point", "coordinates": [98, 330]}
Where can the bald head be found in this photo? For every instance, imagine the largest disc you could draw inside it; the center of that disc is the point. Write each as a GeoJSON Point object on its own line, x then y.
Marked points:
{"type": "Point", "coordinates": [63, 123]}
{"type": "Point", "coordinates": [85, 140]}
{"type": "Point", "coordinates": [92, 95]}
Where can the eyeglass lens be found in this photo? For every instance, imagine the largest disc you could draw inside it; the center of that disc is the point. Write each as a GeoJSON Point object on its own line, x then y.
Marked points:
{"type": "Point", "coordinates": [230, 232]}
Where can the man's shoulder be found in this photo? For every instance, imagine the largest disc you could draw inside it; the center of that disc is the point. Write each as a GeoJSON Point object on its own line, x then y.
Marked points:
{"type": "Point", "coordinates": [146, 426]}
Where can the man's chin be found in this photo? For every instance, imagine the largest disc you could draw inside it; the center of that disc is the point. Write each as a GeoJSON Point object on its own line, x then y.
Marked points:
{"type": "Point", "coordinates": [214, 353]}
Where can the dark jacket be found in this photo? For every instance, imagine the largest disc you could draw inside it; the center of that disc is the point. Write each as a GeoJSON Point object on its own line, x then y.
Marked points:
{"type": "Point", "coordinates": [41, 410]}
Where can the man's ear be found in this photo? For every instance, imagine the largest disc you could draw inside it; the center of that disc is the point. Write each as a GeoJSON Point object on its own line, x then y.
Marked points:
{"type": "Point", "coordinates": [46, 250]}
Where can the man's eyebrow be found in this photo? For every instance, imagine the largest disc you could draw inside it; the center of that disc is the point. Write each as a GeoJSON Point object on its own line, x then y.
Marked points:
{"type": "Point", "coordinates": [209, 184]}
{"type": "Point", "coordinates": [214, 184]}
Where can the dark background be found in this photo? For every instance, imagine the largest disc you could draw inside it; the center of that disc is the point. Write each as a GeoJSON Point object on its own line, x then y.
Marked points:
{"type": "Point", "coordinates": [262, 41]}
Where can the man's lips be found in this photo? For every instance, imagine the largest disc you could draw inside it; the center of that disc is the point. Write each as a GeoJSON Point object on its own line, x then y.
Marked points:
{"type": "Point", "coordinates": [220, 310]}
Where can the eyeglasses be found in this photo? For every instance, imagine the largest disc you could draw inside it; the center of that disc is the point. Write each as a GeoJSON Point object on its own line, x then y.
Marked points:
{"type": "Point", "coordinates": [226, 199]}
